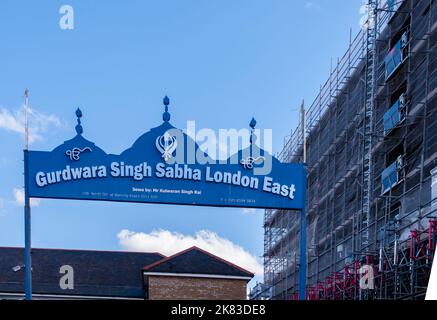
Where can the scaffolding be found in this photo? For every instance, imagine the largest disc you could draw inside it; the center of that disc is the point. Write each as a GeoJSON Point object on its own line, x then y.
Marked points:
{"type": "Point", "coordinates": [371, 143]}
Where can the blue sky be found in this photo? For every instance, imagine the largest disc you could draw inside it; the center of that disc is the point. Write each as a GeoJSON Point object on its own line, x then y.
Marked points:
{"type": "Point", "coordinates": [220, 62]}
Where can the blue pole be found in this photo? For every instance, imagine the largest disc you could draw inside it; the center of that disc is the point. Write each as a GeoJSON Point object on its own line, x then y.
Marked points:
{"type": "Point", "coordinates": [303, 242]}
{"type": "Point", "coordinates": [27, 231]}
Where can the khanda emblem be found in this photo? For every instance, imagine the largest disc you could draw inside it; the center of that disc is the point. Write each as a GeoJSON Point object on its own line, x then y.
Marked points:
{"type": "Point", "coordinates": [166, 144]}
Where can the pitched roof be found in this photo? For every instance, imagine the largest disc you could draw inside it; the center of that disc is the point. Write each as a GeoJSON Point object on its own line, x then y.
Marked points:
{"type": "Point", "coordinates": [96, 273]}
{"type": "Point", "coordinates": [196, 261]}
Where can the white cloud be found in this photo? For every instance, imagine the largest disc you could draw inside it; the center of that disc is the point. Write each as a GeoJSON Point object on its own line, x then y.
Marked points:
{"type": "Point", "coordinates": [168, 243]}
{"type": "Point", "coordinates": [19, 198]}
{"type": "Point", "coordinates": [367, 19]}
{"type": "Point", "coordinates": [251, 210]}
{"type": "Point", "coordinates": [311, 5]}
{"type": "Point", "coordinates": [38, 122]}
{"type": "Point", "coordinates": [2, 206]}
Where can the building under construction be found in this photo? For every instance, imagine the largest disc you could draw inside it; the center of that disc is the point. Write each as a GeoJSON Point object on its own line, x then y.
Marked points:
{"type": "Point", "coordinates": [369, 140]}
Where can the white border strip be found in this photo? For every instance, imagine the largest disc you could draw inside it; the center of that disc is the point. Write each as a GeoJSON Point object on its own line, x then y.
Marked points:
{"type": "Point", "coordinates": [431, 292]}
{"type": "Point", "coordinates": [195, 275]}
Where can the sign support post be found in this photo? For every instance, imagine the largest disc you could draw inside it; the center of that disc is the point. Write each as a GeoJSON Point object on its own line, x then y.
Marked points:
{"type": "Point", "coordinates": [303, 243]}
{"type": "Point", "coordinates": [27, 220]}
{"type": "Point", "coordinates": [27, 232]}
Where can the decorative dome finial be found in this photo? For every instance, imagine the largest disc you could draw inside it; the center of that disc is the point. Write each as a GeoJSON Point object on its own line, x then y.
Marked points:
{"type": "Point", "coordinates": [166, 114]}
{"type": "Point", "coordinates": [252, 125]}
{"type": "Point", "coordinates": [79, 128]}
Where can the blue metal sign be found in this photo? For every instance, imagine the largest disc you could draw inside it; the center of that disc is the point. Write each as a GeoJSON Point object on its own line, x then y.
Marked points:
{"type": "Point", "coordinates": [164, 165]}
{"type": "Point", "coordinates": [158, 169]}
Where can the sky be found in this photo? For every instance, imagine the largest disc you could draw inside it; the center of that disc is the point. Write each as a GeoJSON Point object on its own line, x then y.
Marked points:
{"type": "Point", "coordinates": [221, 62]}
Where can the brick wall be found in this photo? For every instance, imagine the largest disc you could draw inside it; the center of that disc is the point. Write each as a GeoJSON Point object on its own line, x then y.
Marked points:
{"type": "Point", "coordinates": [185, 288]}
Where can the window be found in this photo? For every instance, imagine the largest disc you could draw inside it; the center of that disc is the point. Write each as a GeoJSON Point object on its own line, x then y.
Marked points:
{"type": "Point", "coordinates": [393, 60]}
{"type": "Point", "coordinates": [396, 55]}
{"type": "Point", "coordinates": [394, 115]}
{"type": "Point", "coordinates": [391, 175]}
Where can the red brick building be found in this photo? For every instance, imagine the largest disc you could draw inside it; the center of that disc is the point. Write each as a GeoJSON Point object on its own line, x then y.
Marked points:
{"type": "Point", "coordinates": [195, 274]}
{"type": "Point", "coordinates": [84, 274]}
